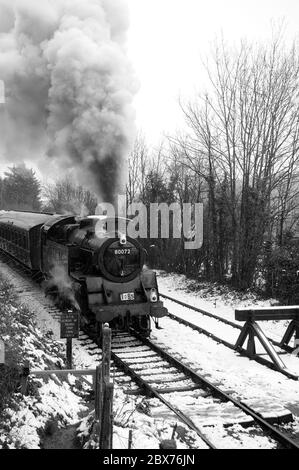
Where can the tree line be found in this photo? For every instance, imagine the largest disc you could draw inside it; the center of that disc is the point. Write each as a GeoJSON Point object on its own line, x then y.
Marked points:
{"type": "Point", "coordinates": [240, 158]}
{"type": "Point", "coordinates": [21, 190]}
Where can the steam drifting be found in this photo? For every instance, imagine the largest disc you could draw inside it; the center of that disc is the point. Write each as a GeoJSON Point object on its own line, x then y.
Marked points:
{"type": "Point", "coordinates": [61, 282]}
{"type": "Point", "coordinates": [69, 88]}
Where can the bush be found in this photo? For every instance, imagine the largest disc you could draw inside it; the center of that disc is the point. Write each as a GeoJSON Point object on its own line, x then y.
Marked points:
{"type": "Point", "coordinates": [281, 268]}
{"type": "Point", "coordinates": [11, 316]}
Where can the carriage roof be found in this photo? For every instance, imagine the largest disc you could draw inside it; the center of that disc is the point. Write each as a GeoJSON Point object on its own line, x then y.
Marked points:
{"type": "Point", "coordinates": [25, 220]}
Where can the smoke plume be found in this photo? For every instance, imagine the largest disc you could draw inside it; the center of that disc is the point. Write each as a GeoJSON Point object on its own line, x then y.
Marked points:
{"type": "Point", "coordinates": [61, 283]}
{"type": "Point", "coordinates": [69, 88]}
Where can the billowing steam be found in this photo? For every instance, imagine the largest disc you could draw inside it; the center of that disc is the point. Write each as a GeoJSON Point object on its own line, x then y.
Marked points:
{"type": "Point", "coordinates": [69, 88]}
{"type": "Point", "coordinates": [60, 283]}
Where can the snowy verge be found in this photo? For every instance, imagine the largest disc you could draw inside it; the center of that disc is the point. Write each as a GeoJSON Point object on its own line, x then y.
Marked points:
{"type": "Point", "coordinates": [24, 420]}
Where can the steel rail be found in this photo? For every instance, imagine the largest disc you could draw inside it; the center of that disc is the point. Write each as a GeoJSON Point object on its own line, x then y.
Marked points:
{"type": "Point", "coordinates": [258, 359]}
{"type": "Point", "coordinates": [197, 378]}
{"type": "Point", "coordinates": [204, 312]}
{"type": "Point", "coordinates": [151, 392]}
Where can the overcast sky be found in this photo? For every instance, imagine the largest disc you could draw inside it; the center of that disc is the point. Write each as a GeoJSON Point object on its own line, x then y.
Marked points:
{"type": "Point", "coordinates": [168, 38]}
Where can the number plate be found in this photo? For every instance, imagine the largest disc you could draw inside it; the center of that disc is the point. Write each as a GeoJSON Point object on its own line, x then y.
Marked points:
{"type": "Point", "coordinates": [122, 251]}
{"type": "Point", "coordinates": [127, 296]}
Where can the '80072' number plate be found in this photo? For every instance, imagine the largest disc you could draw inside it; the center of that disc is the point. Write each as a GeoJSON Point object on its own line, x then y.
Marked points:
{"type": "Point", "coordinates": [122, 251]}
{"type": "Point", "coordinates": [127, 296]}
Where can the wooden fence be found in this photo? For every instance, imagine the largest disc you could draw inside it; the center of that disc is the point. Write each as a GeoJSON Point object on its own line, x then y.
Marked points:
{"type": "Point", "coordinates": [102, 385]}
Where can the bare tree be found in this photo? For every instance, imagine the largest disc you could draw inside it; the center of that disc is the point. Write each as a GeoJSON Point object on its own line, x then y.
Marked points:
{"type": "Point", "coordinates": [64, 197]}
{"type": "Point", "coordinates": [138, 161]}
{"type": "Point", "coordinates": [244, 145]}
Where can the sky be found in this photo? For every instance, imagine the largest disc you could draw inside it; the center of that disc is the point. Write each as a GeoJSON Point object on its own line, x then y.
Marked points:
{"type": "Point", "coordinates": [169, 38]}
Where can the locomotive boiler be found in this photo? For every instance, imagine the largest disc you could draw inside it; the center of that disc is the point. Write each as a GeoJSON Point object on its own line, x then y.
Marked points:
{"type": "Point", "coordinates": [87, 263]}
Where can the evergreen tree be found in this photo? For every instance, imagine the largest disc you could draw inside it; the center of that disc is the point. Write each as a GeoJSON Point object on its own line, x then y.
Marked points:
{"type": "Point", "coordinates": [20, 189]}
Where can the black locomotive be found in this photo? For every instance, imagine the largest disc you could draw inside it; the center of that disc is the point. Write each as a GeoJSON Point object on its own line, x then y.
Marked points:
{"type": "Point", "coordinates": [86, 263]}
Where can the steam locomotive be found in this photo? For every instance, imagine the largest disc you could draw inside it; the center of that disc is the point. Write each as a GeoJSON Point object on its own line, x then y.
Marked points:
{"type": "Point", "coordinates": [88, 264]}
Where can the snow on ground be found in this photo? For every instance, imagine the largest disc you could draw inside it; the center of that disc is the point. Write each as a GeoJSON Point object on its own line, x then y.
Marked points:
{"type": "Point", "coordinates": [130, 413]}
{"type": "Point", "coordinates": [241, 376]}
{"type": "Point", "coordinates": [230, 334]}
{"type": "Point", "coordinates": [25, 418]}
{"type": "Point", "coordinates": [24, 422]}
{"type": "Point", "coordinates": [217, 299]}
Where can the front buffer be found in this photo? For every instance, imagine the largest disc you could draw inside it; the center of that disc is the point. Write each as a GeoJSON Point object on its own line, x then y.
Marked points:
{"type": "Point", "coordinates": [113, 301]}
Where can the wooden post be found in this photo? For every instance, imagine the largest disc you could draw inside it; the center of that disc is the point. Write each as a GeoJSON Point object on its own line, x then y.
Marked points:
{"type": "Point", "coordinates": [107, 417]}
{"type": "Point", "coordinates": [69, 353]}
{"type": "Point", "coordinates": [106, 352]}
{"type": "Point", "coordinates": [130, 439]}
{"type": "Point", "coordinates": [98, 402]}
{"type": "Point", "coordinates": [174, 430]}
{"type": "Point", "coordinates": [106, 391]}
{"type": "Point", "coordinates": [97, 393]}
{"type": "Point", "coordinates": [296, 340]}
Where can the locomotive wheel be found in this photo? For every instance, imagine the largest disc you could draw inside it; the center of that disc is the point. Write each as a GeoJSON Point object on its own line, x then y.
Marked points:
{"type": "Point", "coordinates": [140, 323]}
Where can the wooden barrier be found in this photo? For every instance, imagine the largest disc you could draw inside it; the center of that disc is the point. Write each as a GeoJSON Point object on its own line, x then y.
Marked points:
{"type": "Point", "coordinates": [252, 331]}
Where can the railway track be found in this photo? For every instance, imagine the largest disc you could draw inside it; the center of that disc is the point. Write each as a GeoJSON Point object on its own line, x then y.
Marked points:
{"type": "Point", "coordinates": [220, 340]}
{"type": "Point", "coordinates": [162, 376]}
{"type": "Point", "coordinates": [136, 356]}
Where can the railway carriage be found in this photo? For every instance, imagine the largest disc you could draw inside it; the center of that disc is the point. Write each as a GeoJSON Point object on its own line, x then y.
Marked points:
{"type": "Point", "coordinates": [20, 236]}
{"type": "Point", "coordinates": [88, 263]}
